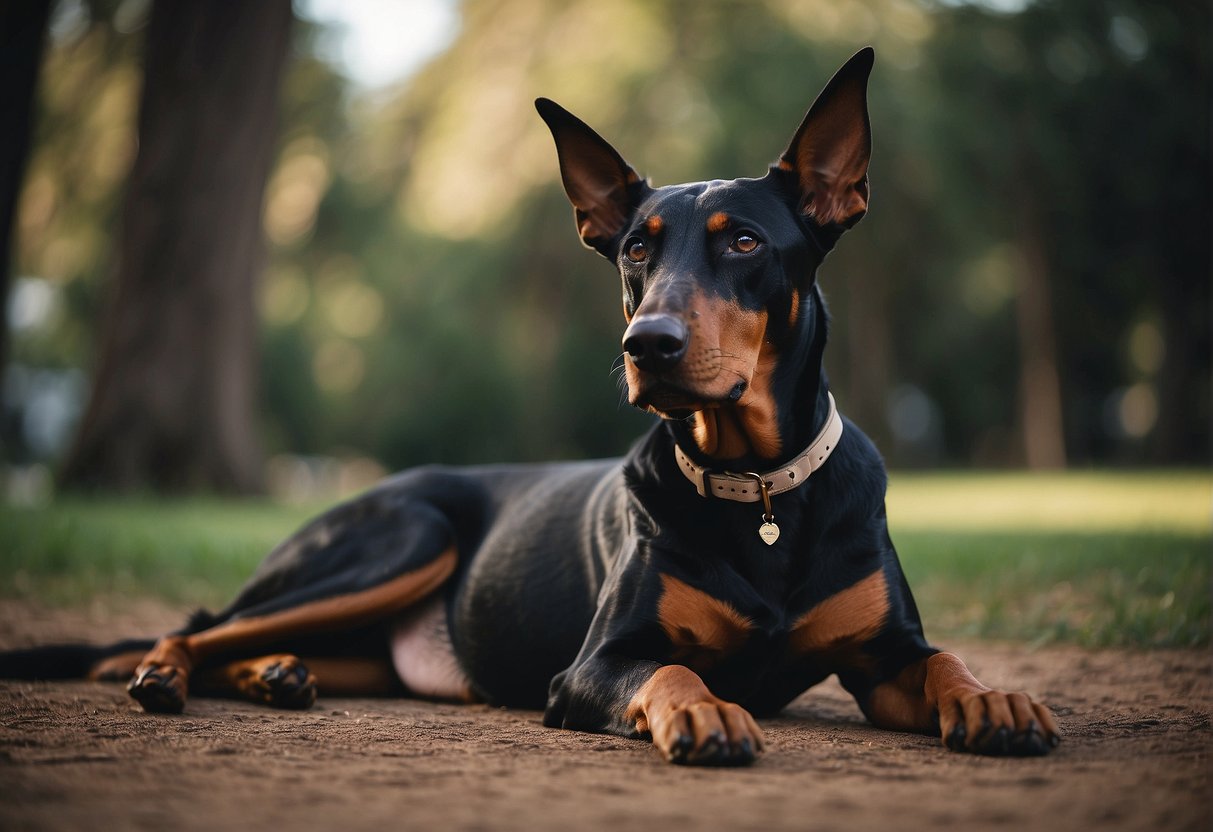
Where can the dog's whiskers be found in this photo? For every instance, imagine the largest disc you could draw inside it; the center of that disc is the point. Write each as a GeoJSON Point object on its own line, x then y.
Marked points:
{"type": "Point", "coordinates": [618, 365]}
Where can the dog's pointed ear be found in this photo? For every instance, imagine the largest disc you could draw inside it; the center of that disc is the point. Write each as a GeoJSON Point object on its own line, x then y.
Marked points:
{"type": "Point", "coordinates": [603, 187]}
{"type": "Point", "coordinates": [829, 153]}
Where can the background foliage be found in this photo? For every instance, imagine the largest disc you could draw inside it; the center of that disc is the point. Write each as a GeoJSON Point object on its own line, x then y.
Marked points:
{"type": "Point", "coordinates": [426, 298]}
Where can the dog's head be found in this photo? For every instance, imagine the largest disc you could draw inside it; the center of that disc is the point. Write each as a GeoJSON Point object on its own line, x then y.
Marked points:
{"type": "Point", "coordinates": [718, 277]}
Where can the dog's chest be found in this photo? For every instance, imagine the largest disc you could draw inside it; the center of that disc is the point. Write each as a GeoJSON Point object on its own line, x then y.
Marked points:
{"type": "Point", "coordinates": [702, 629]}
{"type": "Point", "coordinates": [705, 631]}
{"type": "Point", "coordinates": [844, 620]}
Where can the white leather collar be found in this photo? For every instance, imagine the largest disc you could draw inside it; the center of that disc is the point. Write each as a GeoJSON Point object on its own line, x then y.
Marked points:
{"type": "Point", "coordinates": [742, 488]}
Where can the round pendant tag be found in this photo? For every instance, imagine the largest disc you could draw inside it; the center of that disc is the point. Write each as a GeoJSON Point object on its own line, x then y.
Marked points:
{"type": "Point", "coordinates": [769, 533]}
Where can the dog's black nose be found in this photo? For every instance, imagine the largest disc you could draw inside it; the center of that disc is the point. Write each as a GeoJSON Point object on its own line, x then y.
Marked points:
{"type": "Point", "coordinates": [656, 342]}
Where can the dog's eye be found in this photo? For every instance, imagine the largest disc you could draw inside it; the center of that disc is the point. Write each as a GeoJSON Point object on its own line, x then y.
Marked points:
{"type": "Point", "coordinates": [744, 243]}
{"type": "Point", "coordinates": [636, 250]}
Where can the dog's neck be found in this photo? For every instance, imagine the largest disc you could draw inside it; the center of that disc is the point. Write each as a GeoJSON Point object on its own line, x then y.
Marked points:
{"type": "Point", "coordinates": [784, 407]}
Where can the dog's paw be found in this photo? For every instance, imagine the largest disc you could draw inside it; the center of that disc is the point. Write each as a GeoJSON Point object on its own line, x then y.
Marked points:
{"type": "Point", "coordinates": [709, 734]}
{"type": "Point", "coordinates": [159, 688]}
{"type": "Point", "coordinates": [999, 724]}
{"type": "Point", "coordinates": [279, 681]}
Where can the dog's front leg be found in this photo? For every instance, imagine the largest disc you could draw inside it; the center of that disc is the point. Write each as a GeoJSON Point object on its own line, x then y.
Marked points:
{"type": "Point", "coordinates": [668, 703]}
{"type": "Point", "coordinates": [627, 681]}
{"type": "Point", "coordinates": [939, 694]}
{"type": "Point", "coordinates": [689, 724]}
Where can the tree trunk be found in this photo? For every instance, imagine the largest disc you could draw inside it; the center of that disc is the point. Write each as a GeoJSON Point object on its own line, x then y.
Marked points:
{"type": "Point", "coordinates": [1040, 404]}
{"type": "Point", "coordinates": [1180, 436]}
{"type": "Point", "coordinates": [22, 36]}
{"type": "Point", "coordinates": [869, 348]}
{"type": "Point", "coordinates": [172, 405]}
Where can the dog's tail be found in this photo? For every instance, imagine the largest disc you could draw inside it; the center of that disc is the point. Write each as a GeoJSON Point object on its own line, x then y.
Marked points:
{"type": "Point", "coordinates": [115, 661]}
{"type": "Point", "coordinates": [74, 661]}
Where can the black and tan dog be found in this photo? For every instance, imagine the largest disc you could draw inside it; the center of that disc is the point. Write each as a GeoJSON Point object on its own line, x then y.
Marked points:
{"type": "Point", "coordinates": [737, 556]}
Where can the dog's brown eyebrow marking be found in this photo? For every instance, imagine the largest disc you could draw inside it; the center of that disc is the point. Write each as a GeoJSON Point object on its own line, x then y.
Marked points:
{"type": "Point", "coordinates": [654, 224]}
{"type": "Point", "coordinates": [718, 222]}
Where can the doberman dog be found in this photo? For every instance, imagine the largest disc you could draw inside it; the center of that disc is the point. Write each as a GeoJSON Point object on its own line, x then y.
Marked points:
{"type": "Point", "coordinates": [735, 557]}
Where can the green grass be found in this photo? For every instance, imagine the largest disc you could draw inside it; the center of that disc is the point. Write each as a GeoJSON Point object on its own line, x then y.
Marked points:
{"type": "Point", "coordinates": [1094, 558]}
{"type": "Point", "coordinates": [194, 552]}
{"type": "Point", "coordinates": [1091, 558]}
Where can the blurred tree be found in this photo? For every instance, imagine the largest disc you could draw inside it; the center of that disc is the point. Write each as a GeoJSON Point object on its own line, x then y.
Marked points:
{"type": "Point", "coordinates": [22, 35]}
{"type": "Point", "coordinates": [948, 348]}
{"type": "Point", "coordinates": [172, 402]}
{"type": "Point", "coordinates": [1084, 162]}
{"type": "Point", "coordinates": [426, 298]}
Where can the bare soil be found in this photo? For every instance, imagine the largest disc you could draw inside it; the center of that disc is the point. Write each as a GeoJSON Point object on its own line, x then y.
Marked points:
{"type": "Point", "coordinates": [77, 755]}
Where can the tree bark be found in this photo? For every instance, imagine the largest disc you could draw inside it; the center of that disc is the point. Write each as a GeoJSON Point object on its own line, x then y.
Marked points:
{"type": "Point", "coordinates": [1041, 424]}
{"type": "Point", "coordinates": [869, 349]}
{"type": "Point", "coordinates": [172, 404]}
{"type": "Point", "coordinates": [22, 39]}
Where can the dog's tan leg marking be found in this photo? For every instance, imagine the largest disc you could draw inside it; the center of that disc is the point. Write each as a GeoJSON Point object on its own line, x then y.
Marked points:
{"type": "Point", "coordinates": [338, 676]}
{"type": "Point", "coordinates": [940, 694]}
{"type": "Point", "coordinates": [279, 680]}
{"type": "Point", "coordinates": [116, 668]}
{"type": "Point", "coordinates": [285, 681]}
{"type": "Point", "coordinates": [162, 680]}
{"type": "Point", "coordinates": [689, 724]}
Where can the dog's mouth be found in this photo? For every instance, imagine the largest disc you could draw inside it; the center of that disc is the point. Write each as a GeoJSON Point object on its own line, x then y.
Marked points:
{"type": "Point", "coordinates": [673, 401]}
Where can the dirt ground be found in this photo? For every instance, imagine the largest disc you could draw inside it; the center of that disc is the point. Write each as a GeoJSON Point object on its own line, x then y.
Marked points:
{"type": "Point", "coordinates": [78, 755]}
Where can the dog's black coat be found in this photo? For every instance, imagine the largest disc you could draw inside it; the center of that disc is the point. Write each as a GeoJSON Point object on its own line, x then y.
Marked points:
{"type": "Point", "coordinates": [556, 600]}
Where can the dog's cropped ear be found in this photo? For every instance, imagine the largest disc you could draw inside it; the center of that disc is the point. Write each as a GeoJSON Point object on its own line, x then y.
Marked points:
{"type": "Point", "coordinates": [603, 188]}
{"type": "Point", "coordinates": [829, 153]}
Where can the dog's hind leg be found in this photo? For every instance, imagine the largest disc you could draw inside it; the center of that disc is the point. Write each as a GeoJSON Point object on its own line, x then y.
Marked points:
{"type": "Point", "coordinates": [279, 680]}
{"type": "Point", "coordinates": [161, 682]}
{"type": "Point", "coordinates": [116, 668]}
{"type": "Point", "coordinates": [282, 680]}
{"type": "Point", "coordinates": [355, 676]}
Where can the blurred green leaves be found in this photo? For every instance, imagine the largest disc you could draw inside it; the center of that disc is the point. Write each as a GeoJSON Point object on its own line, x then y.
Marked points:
{"type": "Point", "coordinates": [426, 297]}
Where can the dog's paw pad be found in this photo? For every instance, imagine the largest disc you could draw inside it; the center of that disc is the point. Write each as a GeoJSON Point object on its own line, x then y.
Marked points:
{"type": "Point", "coordinates": [286, 684]}
{"type": "Point", "coordinates": [1001, 724]}
{"type": "Point", "coordinates": [1031, 743]}
{"type": "Point", "coordinates": [709, 734]}
{"type": "Point", "coordinates": [159, 689]}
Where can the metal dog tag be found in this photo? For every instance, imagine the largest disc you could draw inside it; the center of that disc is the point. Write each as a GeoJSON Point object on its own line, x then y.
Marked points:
{"type": "Point", "coordinates": [769, 533]}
